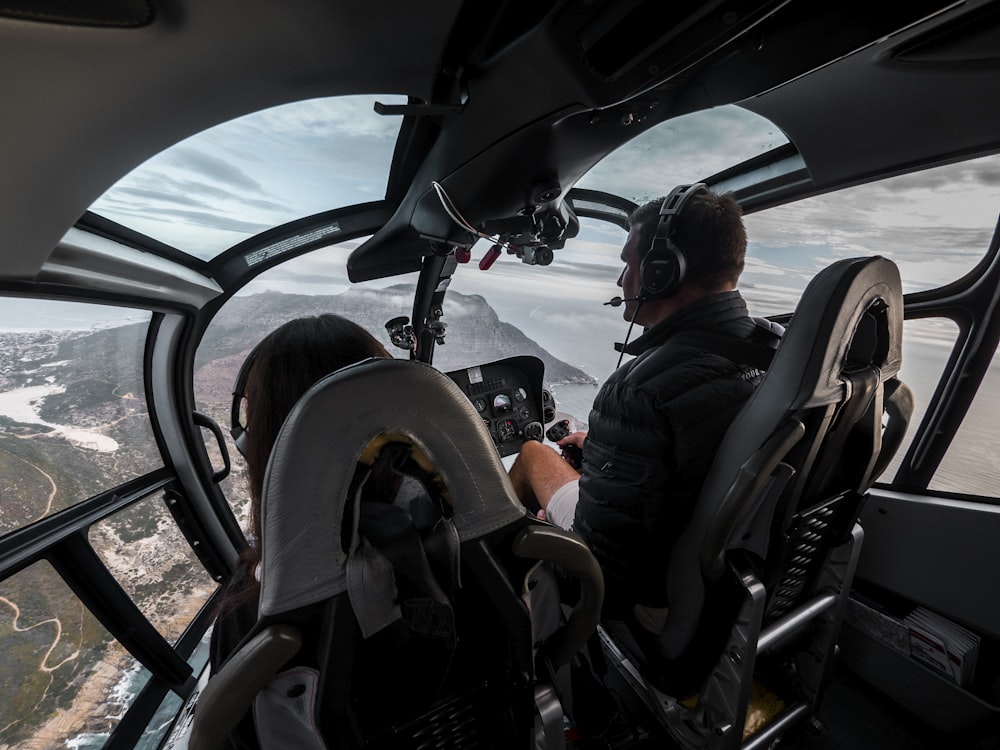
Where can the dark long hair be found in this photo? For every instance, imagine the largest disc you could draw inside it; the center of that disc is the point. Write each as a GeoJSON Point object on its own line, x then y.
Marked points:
{"type": "Point", "coordinates": [289, 360]}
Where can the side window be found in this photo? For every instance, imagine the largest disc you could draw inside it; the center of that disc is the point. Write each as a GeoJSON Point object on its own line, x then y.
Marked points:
{"type": "Point", "coordinates": [73, 416]}
{"type": "Point", "coordinates": [972, 463]}
{"type": "Point", "coordinates": [65, 680]}
{"type": "Point", "coordinates": [145, 551]}
{"type": "Point", "coordinates": [936, 229]}
{"type": "Point", "coordinates": [927, 344]}
{"type": "Point", "coordinates": [74, 424]}
{"type": "Point", "coordinates": [51, 645]}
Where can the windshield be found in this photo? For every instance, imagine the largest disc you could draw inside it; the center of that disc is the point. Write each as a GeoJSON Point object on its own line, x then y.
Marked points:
{"type": "Point", "coordinates": [560, 308]}
{"type": "Point", "coordinates": [232, 181]}
{"type": "Point", "coordinates": [683, 150]}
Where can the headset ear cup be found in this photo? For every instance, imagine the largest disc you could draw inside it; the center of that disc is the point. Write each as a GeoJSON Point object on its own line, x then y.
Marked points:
{"type": "Point", "coordinates": [240, 440]}
{"type": "Point", "coordinates": [662, 270]}
{"type": "Point", "coordinates": [236, 428]}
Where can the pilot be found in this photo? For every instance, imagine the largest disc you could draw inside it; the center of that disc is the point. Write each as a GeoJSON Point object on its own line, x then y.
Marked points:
{"type": "Point", "coordinates": [280, 369]}
{"type": "Point", "coordinates": [658, 419]}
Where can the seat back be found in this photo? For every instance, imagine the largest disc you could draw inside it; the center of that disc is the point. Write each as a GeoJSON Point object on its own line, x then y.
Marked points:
{"type": "Point", "coordinates": [819, 404]}
{"type": "Point", "coordinates": [433, 614]}
{"type": "Point", "coordinates": [769, 555]}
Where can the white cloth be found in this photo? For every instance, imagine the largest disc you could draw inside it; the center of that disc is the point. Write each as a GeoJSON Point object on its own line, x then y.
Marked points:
{"type": "Point", "coordinates": [562, 505]}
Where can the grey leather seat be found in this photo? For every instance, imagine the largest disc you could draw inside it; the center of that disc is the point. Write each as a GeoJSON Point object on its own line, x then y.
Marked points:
{"type": "Point", "coordinates": [434, 614]}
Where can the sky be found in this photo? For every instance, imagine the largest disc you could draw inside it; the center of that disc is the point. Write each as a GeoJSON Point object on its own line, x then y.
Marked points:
{"type": "Point", "coordinates": [223, 185]}
{"type": "Point", "coordinates": [232, 181]}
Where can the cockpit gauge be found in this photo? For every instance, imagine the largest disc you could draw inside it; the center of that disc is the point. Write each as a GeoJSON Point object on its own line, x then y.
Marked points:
{"type": "Point", "coordinates": [501, 403]}
{"type": "Point", "coordinates": [506, 430]}
{"type": "Point", "coordinates": [508, 396]}
{"type": "Point", "coordinates": [548, 407]}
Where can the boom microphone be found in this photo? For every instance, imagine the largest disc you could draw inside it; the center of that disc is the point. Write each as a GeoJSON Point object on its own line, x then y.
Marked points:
{"type": "Point", "coordinates": [617, 301]}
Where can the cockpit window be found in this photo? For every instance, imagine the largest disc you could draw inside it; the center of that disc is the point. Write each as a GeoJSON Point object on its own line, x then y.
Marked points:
{"type": "Point", "coordinates": [234, 180]}
{"type": "Point", "coordinates": [556, 312]}
{"type": "Point", "coordinates": [683, 150]}
{"type": "Point", "coordinates": [972, 465]}
{"type": "Point", "coordinates": [73, 415]}
{"type": "Point", "coordinates": [936, 225]}
{"type": "Point", "coordinates": [159, 571]}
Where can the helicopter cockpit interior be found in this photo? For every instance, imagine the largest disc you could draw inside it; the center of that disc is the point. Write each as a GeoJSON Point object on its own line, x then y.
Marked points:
{"type": "Point", "coordinates": [182, 178]}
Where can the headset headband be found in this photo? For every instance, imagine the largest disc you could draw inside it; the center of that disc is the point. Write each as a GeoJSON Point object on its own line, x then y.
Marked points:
{"type": "Point", "coordinates": [672, 205]}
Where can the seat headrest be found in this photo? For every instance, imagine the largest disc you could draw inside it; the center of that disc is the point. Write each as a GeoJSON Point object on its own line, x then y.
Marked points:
{"type": "Point", "coordinates": [850, 313]}
{"type": "Point", "coordinates": [336, 423]}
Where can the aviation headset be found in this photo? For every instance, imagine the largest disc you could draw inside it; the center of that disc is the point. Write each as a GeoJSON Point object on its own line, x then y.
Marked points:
{"type": "Point", "coordinates": [664, 267]}
{"type": "Point", "coordinates": [236, 428]}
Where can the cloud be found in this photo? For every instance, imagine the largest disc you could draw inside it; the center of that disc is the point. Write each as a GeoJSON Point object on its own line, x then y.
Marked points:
{"type": "Point", "coordinates": [214, 221]}
{"type": "Point", "coordinates": [194, 160]}
{"type": "Point", "coordinates": [320, 142]}
{"type": "Point", "coordinates": [190, 193]}
{"type": "Point", "coordinates": [265, 169]}
{"type": "Point", "coordinates": [935, 224]}
{"type": "Point", "coordinates": [350, 117]}
{"type": "Point", "coordinates": [685, 150]}
{"type": "Point", "coordinates": [258, 171]}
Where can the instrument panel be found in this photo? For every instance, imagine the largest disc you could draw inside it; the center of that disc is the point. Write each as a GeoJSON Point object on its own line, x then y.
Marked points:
{"type": "Point", "coordinates": [510, 399]}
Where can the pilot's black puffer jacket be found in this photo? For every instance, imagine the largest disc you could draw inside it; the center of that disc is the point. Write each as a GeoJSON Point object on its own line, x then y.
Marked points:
{"type": "Point", "coordinates": [654, 429]}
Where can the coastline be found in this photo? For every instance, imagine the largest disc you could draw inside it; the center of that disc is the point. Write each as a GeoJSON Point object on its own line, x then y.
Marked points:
{"type": "Point", "coordinates": [87, 709]}
{"type": "Point", "coordinates": [103, 695]}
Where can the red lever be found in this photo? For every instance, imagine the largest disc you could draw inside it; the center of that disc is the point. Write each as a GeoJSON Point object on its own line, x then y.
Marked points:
{"type": "Point", "coordinates": [491, 255]}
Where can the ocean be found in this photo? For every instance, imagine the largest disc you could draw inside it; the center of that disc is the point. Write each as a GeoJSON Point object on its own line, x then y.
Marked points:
{"type": "Point", "coordinates": [574, 400]}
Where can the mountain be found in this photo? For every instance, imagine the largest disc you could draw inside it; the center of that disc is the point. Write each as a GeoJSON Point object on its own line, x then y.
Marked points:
{"type": "Point", "coordinates": [474, 334]}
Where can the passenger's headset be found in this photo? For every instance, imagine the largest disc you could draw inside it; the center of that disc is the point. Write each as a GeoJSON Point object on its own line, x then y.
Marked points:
{"type": "Point", "coordinates": [664, 266]}
{"type": "Point", "coordinates": [236, 428]}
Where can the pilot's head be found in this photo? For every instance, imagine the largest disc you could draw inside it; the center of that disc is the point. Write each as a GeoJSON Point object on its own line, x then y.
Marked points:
{"type": "Point", "coordinates": [709, 233]}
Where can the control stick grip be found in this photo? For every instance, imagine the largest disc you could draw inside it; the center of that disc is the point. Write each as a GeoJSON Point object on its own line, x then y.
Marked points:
{"type": "Point", "coordinates": [572, 453]}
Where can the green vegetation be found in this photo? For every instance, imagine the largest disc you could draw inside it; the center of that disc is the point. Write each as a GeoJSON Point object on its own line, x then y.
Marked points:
{"type": "Point", "coordinates": [24, 486]}
{"type": "Point", "coordinates": [81, 396]}
{"type": "Point", "coordinates": [136, 523]}
{"type": "Point", "coordinates": [9, 425]}
{"type": "Point", "coordinates": [28, 688]}
{"type": "Point", "coordinates": [41, 473]}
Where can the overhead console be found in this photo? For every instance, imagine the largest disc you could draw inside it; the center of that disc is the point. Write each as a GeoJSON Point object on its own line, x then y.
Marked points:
{"type": "Point", "coordinates": [510, 399]}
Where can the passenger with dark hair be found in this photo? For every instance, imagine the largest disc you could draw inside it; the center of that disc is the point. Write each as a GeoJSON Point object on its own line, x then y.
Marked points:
{"type": "Point", "coordinates": [280, 369]}
{"type": "Point", "coordinates": [659, 418]}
